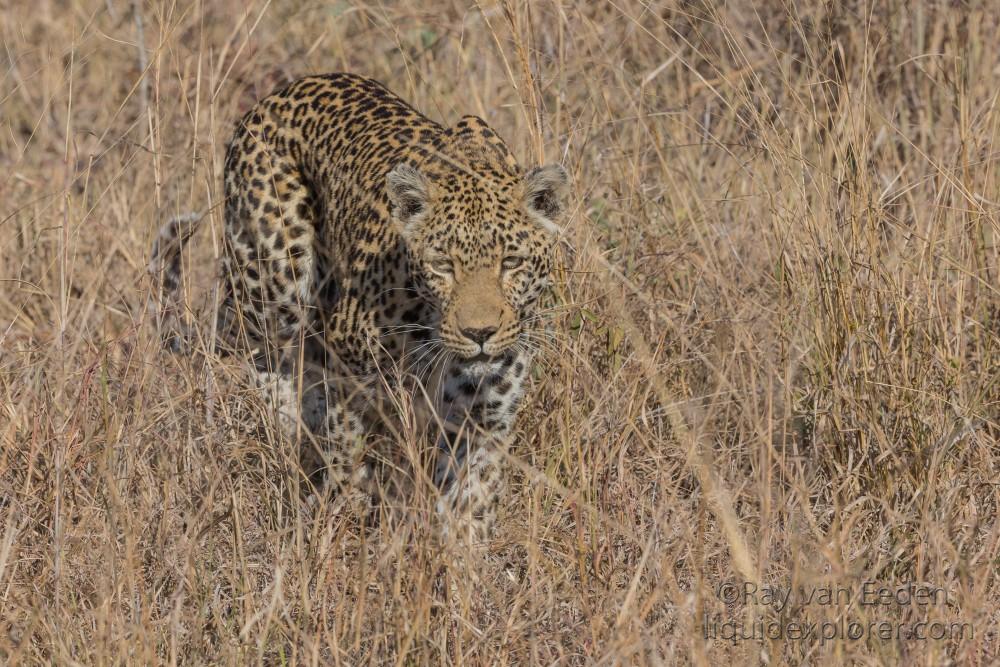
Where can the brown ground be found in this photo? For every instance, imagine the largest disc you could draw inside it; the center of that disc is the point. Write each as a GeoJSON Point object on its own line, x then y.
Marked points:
{"type": "Point", "coordinates": [776, 360]}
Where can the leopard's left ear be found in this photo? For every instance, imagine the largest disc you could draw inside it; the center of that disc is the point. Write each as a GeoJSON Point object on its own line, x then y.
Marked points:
{"type": "Point", "coordinates": [545, 190]}
{"type": "Point", "coordinates": [408, 195]}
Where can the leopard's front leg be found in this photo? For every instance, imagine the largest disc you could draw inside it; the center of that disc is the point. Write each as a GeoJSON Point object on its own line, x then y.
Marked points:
{"type": "Point", "coordinates": [348, 474]}
{"type": "Point", "coordinates": [329, 432]}
{"type": "Point", "coordinates": [470, 476]}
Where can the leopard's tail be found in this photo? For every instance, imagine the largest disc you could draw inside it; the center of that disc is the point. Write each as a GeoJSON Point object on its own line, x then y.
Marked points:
{"type": "Point", "coordinates": [166, 300]}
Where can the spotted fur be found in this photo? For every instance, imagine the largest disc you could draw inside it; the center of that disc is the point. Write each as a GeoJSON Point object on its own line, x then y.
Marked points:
{"type": "Point", "coordinates": [388, 253]}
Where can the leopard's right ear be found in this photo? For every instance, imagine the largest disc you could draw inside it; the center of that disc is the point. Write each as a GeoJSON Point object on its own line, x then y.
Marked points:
{"type": "Point", "coordinates": [545, 191]}
{"type": "Point", "coordinates": [409, 196]}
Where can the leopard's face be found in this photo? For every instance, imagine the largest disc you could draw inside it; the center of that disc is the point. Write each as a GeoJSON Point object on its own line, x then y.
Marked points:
{"type": "Point", "coordinates": [481, 247]}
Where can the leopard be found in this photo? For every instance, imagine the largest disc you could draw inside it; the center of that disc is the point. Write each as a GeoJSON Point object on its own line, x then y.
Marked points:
{"type": "Point", "coordinates": [371, 252]}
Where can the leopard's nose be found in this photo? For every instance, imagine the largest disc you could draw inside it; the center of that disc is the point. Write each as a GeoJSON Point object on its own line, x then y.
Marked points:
{"type": "Point", "coordinates": [479, 335]}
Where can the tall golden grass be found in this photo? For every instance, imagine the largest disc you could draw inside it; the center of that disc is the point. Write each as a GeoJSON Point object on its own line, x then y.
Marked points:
{"type": "Point", "coordinates": [775, 362]}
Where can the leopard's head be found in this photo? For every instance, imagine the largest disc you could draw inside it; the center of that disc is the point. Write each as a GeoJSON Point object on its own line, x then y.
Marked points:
{"type": "Point", "coordinates": [480, 233]}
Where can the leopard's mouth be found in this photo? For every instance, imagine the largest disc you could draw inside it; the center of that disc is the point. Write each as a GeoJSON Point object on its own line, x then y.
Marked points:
{"type": "Point", "coordinates": [484, 360]}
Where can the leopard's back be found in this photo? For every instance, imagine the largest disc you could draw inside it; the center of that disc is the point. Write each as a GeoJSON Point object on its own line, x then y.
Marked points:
{"type": "Point", "coordinates": [310, 242]}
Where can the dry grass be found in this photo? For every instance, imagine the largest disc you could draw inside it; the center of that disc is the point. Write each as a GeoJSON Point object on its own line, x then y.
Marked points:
{"type": "Point", "coordinates": [778, 357]}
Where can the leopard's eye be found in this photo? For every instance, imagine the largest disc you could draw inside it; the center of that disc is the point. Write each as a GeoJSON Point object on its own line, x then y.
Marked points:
{"type": "Point", "coordinates": [511, 262]}
{"type": "Point", "coordinates": [442, 266]}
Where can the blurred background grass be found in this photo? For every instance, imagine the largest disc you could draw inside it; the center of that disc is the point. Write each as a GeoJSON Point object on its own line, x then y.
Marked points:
{"type": "Point", "coordinates": [776, 357]}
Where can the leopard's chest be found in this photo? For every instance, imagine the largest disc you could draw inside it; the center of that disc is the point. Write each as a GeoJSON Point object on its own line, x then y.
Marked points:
{"type": "Point", "coordinates": [484, 394]}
